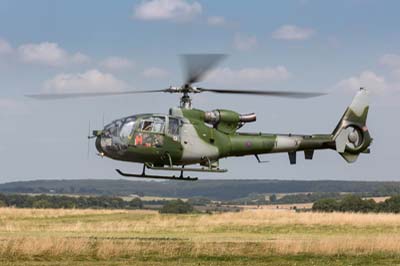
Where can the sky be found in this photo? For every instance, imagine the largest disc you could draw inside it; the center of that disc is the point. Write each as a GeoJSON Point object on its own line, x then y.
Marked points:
{"type": "Point", "coordinates": [302, 45]}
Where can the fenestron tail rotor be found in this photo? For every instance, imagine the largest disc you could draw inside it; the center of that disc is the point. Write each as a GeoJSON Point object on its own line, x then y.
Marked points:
{"type": "Point", "coordinates": [195, 68]}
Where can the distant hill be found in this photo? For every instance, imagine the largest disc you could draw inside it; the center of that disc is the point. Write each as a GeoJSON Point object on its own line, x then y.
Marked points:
{"type": "Point", "coordinates": [212, 189]}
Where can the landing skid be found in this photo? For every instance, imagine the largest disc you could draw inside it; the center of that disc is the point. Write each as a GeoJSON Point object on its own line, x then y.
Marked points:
{"type": "Point", "coordinates": [171, 168]}
{"type": "Point", "coordinates": [144, 175]}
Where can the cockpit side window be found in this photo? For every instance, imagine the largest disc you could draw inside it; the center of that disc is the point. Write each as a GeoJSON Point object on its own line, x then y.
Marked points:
{"type": "Point", "coordinates": [126, 129]}
{"type": "Point", "coordinates": [147, 125]}
{"type": "Point", "coordinates": [121, 127]}
{"type": "Point", "coordinates": [155, 124]}
{"type": "Point", "coordinates": [112, 129]}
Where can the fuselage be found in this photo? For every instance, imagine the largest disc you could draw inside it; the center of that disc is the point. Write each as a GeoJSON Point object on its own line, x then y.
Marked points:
{"type": "Point", "coordinates": [183, 137]}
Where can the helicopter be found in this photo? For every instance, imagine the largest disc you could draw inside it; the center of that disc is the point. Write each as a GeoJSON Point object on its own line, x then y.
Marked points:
{"type": "Point", "coordinates": [187, 136]}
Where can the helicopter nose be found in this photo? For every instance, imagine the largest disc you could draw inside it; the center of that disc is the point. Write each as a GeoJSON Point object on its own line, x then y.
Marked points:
{"type": "Point", "coordinates": [98, 146]}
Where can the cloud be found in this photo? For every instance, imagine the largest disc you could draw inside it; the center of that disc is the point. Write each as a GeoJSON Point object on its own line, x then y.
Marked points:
{"type": "Point", "coordinates": [5, 47]}
{"type": "Point", "coordinates": [396, 74]}
{"type": "Point", "coordinates": [367, 79]}
{"type": "Point", "coordinates": [390, 60]}
{"type": "Point", "coordinates": [176, 10]}
{"type": "Point", "coordinates": [393, 62]}
{"type": "Point", "coordinates": [79, 58]}
{"type": "Point", "coordinates": [244, 42]}
{"type": "Point", "coordinates": [249, 75]}
{"type": "Point", "coordinates": [155, 72]}
{"type": "Point", "coordinates": [216, 21]}
{"type": "Point", "coordinates": [50, 54]}
{"type": "Point", "coordinates": [89, 81]}
{"type": "Point", "coordinates": [292, 32]}
{"type": "Point", "coordinates": [116, 63]}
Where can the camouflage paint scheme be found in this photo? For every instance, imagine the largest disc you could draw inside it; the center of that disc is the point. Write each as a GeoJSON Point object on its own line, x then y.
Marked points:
{"type": "Point", "coordinates": [202, 143]}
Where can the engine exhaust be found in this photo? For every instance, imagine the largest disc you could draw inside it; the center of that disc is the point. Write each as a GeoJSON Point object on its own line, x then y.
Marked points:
{"type": "Point", "coordinates": [246, 118]}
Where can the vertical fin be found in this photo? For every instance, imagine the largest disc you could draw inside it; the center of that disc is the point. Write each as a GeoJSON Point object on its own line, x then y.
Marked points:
{"type": "Point", "coordinates": [353, 120]}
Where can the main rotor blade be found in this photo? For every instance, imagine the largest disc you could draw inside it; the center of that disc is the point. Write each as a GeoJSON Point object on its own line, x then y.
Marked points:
{"type": "Point", "coordinates": [56, 96]}
{"type": "Point", "coordinates": [287, 94]}
{"type": "Point", "coordinates": [196, 66]}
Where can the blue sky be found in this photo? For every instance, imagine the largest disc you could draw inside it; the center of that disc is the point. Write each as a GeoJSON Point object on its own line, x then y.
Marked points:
{"type": "Point", "coordinates": [304, 45]}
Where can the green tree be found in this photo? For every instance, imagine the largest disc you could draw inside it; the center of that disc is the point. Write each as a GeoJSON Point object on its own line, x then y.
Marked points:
{"type": "Point", "coordinates": [272, 198]}
{"type": "Point", "coordinates": [390, 205]}
{"type": "Point", "coordinates": [353, 203]}
{"type": "Point", "coordinates": [326, 205]}
{"type": "Point", "coordinates": [176, 206]}
{"type": "Point", "coordinates": [41, 204]}
{"type": "Point", "coordinates": [136, 203]}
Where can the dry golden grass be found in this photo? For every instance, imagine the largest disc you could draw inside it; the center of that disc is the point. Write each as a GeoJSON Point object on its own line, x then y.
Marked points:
{"type": "Point", "coordinates": [38, 213]}
{"type": "Point", "coordinates": [278, 206]}
{"type": "Point", "coordinates": [105, 234]}
{"type": "Point", "coordinates": [285, 217]}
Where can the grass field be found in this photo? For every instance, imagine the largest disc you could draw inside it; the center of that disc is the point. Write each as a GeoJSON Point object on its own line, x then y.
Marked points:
{"type": "Point", "coordinates": [251, 237]}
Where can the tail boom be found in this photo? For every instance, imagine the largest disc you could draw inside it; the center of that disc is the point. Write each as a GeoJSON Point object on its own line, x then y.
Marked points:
{"type": "Point", "coordinates": [350, 137]}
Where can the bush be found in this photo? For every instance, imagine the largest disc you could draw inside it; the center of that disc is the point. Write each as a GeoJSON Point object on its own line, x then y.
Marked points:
{"type": "Point", "coordinates": [353, 203]}
{"type": "Point", "coordinates": [136, 203]}
{"type": "Point", "coordinates": [41, 204]}
{"type": "Point", "coordinates": [176, 206]}
{"type": "Point", "coordinates": [326, 205]}
{"type": "Point", "coordinates": [272, 198]}
{"type": "Point", "coordinates": [391, 205]}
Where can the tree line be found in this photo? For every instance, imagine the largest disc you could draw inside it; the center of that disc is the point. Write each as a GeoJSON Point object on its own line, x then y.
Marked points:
{"type": "Point", "coordinates": [44, 201]}
{"type": "Point", "coordinates": [354, 203]}
{"type": "Point", "coordinates": [220, 190]}
{"type": "Point", "coordinates": [67, 202]}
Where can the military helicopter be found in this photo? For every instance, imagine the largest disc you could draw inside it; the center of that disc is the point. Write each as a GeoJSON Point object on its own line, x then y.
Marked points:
{"type": "Point", "coordinates": [187, 136]}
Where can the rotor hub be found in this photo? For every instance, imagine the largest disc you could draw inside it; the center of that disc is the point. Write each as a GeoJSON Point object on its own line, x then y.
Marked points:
{"type": "Point", "coordinates": [186, 101]}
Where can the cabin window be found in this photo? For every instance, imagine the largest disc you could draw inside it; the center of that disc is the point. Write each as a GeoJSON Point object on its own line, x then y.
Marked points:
{"type": "Point", "coordinates": [147, 125]}
{"type": "Point", "coordinates": [173, 126]}
{"type": "Point", "coordinates": [154, 124]}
